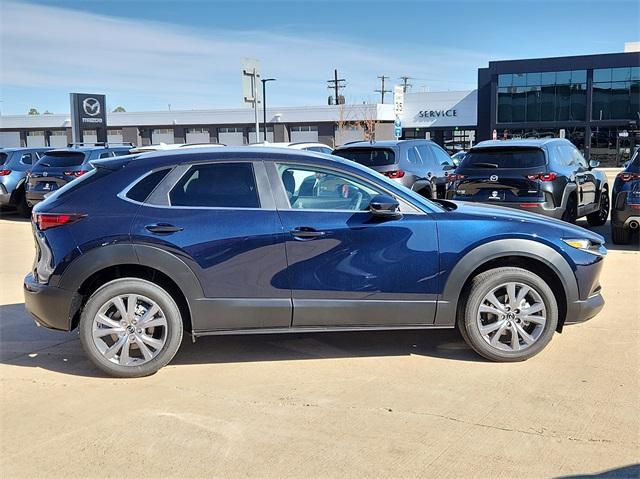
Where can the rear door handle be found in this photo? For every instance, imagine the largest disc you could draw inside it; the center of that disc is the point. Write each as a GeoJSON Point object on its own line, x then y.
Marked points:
{"type": "Point", "coordinates": [163, 228]}
{"type": "Point", "coordinates": [306, 233]}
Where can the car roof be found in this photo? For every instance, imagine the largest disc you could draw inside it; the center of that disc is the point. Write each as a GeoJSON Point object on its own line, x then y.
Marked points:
{"type": "Point", "coordinates": [380, 144]}
{"type": "Point", "coordinates": [296, 145]}
{"type": "Point", "coordinates": [83, 149]}
{"type": "Point", "coordinates": [20, 148]}
{"type": "Point", "coordinates": [525, 143]}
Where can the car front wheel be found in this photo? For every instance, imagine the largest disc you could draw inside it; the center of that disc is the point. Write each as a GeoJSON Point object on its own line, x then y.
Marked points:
{"type": "Point", "coordinates": [510, 314]}
{"type": "Point", "coordinates": [130, 328]}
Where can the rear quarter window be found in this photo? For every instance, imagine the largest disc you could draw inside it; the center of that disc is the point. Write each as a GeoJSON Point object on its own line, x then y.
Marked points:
{"type": "Point", "coordinates": [368, 156]}
{"type": "Point", "coordinates": [3, 158]}
{"type": "Point", "coordinates": [143, 188]}
{"type": "Point", "coordinates": [507, 158]}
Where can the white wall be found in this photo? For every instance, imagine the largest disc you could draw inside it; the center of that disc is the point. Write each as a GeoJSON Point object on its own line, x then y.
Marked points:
{"type": "Point", "coordinates": [9, 139]}
{"type": "Point", "coordinates": [58, 141]}
{"type": "Point", "coordinates": [89, 138]}
{"type": "Point", "coordinates": [162, 136]}
{"type": "Point", "coordinates": [114, 138]}
{"type": "Point", "coordinates": [198, 137]}
{"type": "Point", "coordinates": [34, 141]}
{"type": "Point", "coordinates": [231, 139]}
{"type": "Point", "coordinates": [252, 136]}
{"type": "Point", "coordinates": [296, 136]}
{"type": "Point", "coordinates": [440, 109]}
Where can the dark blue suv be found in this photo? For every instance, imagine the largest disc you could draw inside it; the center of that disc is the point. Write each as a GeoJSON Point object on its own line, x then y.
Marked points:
{"type": "Point", "coordinates": [57, 167]}
{"type": "Point", "coordinates": [254, 240]}
{"type": "Point", "coordinates": [625, 196]}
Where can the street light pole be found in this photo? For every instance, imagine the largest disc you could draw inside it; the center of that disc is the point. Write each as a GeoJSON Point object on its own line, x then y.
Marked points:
{"type": "Point", "coordinates": [264, 106]}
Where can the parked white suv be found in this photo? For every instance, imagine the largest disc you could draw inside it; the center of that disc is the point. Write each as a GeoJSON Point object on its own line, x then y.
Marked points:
{"type": "Point", "coordinates": [302, 145]}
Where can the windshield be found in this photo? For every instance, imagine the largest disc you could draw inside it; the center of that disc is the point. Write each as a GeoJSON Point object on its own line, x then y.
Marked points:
{"type": "Point", "coordinates": [504, 158]}
{"type": "Point", "coordinates": [62, 159]}
{"type": "Point", "coordinates": [368, 156]}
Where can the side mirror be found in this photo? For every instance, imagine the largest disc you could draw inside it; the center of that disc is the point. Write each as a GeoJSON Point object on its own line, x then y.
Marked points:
{"type": "Point", "coordinates": [594, 164]}
{"type": "Point", "coordinates": [385, 206]}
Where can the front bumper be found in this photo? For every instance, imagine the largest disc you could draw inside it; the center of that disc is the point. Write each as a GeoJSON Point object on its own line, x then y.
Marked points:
{"type": "Point", "coordinates": [585, 310]}
{"type": "Point", "coordinates": [51, 307]}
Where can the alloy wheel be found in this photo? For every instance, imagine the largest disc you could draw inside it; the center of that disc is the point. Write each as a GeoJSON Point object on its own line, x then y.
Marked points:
{"type": "Point", "coordinates": [129, 330]}
{"type": "Point", "coordinates": [511, 317]}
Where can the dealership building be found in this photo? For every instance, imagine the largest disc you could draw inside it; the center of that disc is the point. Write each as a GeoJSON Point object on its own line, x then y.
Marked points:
{"type": "Point", "coordinates": [593, 100]}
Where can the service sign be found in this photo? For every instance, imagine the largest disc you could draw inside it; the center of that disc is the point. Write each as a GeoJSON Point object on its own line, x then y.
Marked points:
{"type": "Point", "coordinates": [439, 109]}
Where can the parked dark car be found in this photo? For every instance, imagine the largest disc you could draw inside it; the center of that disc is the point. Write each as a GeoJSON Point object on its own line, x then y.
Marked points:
{"type": "Point", "coordinates": [420, 165]}
{"type": "Point", "coordinates": [58, 167]}
{"type": "Point", "coordinates": [548, 176]}
{"type": "Point", "coordinates": [625, 213]}
{"type": "Point", "coordinates": [14, 164]}
{"type": "Point", "coordinates": [223, 241]}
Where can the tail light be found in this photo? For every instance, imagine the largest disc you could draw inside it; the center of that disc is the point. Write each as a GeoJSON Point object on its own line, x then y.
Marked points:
{"type": "Point", "coordinates": [453, 177]}
{"type": "Point", "coordinates": [45, 221]}
{"type": "Point", "coordinates": [394, 174]}
{"type": "Point", "coordinates": [5, 172]}
{"type": "Point", "coordinates": [529, 205]}
{"type": "Point", "coordinates": [75, 173]}
{"type": "Point", "coordinates": [627, 176]}
{"type": "Point", "coordinates": [543, 176]}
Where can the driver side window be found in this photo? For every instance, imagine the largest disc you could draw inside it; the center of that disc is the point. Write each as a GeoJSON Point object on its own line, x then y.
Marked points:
{"type": "Point", "coordinates": [310, 188]}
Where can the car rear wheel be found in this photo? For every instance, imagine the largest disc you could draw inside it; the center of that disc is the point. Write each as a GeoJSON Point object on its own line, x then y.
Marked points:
{"type": "Point", "coordinates": [571, 211]}
{"type": "Point", "coordinates": [598, 218]}
{"type": "Point", "coordinates": [510, 314]}
{"type": "Point", "coordinates": [130, 328]}
{"type": "Point", "coordinates": [620, 235]}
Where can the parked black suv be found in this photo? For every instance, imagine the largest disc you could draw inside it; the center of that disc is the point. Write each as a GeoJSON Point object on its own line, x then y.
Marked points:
{"type": "Point", "coordinates": [548, 176]}
{"type": "Point", "coordinates": [420, 165]}
{"type": "Point", "coordinates": [625, 214]}
{"type": "Point", "coordinates": [58, 167]}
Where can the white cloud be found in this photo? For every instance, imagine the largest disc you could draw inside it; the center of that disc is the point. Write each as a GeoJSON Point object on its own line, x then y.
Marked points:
{"type": "Point", "coordinates": [149, 64]}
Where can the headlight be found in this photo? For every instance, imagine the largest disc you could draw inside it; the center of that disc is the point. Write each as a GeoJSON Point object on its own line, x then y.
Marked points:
{"type": "Point", "coordinates": [586, 245]}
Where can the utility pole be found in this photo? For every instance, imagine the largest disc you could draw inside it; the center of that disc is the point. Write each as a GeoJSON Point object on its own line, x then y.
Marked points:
{"type": "Point", "coordinates": [405, 83]}
{"type": "Point", "coordinates": [382, 91]}
{"type": "Point", "coordinates": [336, 84]}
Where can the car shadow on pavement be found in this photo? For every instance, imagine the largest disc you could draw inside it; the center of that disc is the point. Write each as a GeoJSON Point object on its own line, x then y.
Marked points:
{"type": "Point", "coordinates": [24, 344]}
{"type": "Point", "coordinates": [12, 215]}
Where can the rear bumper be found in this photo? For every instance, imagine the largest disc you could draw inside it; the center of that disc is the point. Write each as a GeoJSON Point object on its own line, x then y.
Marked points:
{"type": "Point", "coordinates": [51, 307]}
{"type": "Point", "coordinates": [585, 310]}
{"type": "Point", "coordinates": [625, 216]}
{"type": "Point", "coordinates": [542, 208]}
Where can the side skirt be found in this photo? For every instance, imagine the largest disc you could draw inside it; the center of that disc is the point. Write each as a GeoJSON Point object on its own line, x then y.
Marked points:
{"type": "Point", "coordinates": [226, 332]}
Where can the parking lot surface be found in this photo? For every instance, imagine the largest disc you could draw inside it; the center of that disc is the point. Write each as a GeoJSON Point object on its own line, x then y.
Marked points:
{"type": "Point", "coordinates": [383, 404]}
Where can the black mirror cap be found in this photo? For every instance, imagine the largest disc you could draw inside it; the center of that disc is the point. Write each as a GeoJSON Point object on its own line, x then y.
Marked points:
{"type": "Point", "coordinates": [385, 206]}
{"type": "Point", "coordinates": [594, 163]}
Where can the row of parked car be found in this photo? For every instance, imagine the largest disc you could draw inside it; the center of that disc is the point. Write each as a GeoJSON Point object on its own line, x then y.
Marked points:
{"type": "Point", "coordinates": [547, 176]}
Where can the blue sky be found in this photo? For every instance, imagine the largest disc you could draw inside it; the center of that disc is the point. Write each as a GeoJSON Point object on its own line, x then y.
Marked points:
{"type": "Point", "coordinates": [147, 54]}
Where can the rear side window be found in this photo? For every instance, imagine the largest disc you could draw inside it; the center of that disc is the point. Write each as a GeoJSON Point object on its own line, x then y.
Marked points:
{"type": "Point", "coordinates": [62, 159]}
{"type": "Point", "coordinates": [368, 156]}
{"type": "Point", "coordinates": [143, 188]}
{"type": "Point", "coordinates": [217, 185]}
{"type": "Point", "coordinates": [27, 158]}
{"type": "Point", "coordinates": [504, 158]}
{"type": "Point", "coordinates": [442, 157]}
{"type": "Point", "coordinates": [414, 157]}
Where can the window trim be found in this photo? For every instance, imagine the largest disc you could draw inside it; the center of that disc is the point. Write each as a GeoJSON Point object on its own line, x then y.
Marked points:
{"type": "Point", "coordinates": [282, 200]}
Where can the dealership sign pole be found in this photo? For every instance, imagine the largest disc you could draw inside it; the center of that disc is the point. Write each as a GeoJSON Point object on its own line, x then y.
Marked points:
{"type": "Point", "coordinates": [398, 108]}
{"type": "Point", "coordinates": [250, 91]}
{"type": "Point", "coordinates": [88, 112]}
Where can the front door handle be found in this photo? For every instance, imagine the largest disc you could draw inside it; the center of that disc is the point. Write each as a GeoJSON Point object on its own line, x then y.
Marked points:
{"type": "Point", "coordinates": [163, 228]}
{"type": "Point", "coordinates": [306, 233]}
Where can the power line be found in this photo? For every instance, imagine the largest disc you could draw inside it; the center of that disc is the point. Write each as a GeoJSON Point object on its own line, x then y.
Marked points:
{"type": "Point", "coordinates": [405, 83]}
{"type": "Point", "coordinates": [382, 91]}
{"type": "Point", "coordinates": [336, 84]}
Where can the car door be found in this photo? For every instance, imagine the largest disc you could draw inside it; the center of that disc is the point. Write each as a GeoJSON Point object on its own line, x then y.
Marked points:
{"type": "Point", "coordinates": [584, 178]}
{"type": "Point", "coordinates": [346, 267]}
{"type": "Point", "coordinates": [216, 219]}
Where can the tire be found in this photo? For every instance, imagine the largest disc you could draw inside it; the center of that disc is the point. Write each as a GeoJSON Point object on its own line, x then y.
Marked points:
{"type": "Point", "coordinates": [159, 341]}
{"type": "Point", "coordinates": [620, 235]}
{"type": "Point", "coordinates": [571, 211]}
{"type": "Point", "coordinates": [539, 328]}
{"type": "Point", "coordinates": [22, 207]}
{"type": "Point", "coordinates": [598, 218]}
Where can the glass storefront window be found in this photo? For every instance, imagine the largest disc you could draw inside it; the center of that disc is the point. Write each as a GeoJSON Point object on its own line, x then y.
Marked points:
{"type": "Point", "coordinates": [620, 100]}
{"type": "Point", "coordinates": [635, 73]}
{"type": "Point", "coordinates": [578, 102]}
{"type": "Point", "coordinates": [579, 76]}
{"type": "Point", "coordinates": [548, 78]}
{"type": "Point", "coordinates": [533, 104]}
{"type": "Point", "coordinates": [547, 103]}
{"type": "Point", "coordinates": [533, 79]}
{"type": "Point", "coordinates": [519, 79]}
{"type": "Point", "coordinates": [620, 74]}
{"type": "Point", "coordinates": [504, 104]}
{"type": "Point", "coordinates": [563, 102]}
{"type": "Point", "coordinates": [505, 80]}
{"type": "Point", "coordinates": [602, 75]}
{"type": "Point", "coordinates": [563, 78]}
{"type": "Point", "coordinates": [518, 104]}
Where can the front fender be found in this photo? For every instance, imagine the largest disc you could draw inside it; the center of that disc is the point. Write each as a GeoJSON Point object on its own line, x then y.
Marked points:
{"type": "Point", "coordinates": [461, 272]}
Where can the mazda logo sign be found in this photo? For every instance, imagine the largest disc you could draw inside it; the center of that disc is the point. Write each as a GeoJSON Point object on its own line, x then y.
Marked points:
{"type": "Point", "coordinates": [493, 177]}
{"type": "Point", "coordinates": [91, 106]}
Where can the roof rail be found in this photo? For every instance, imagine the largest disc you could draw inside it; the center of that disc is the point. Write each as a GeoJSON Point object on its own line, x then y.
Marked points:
{"type": "Point", "coordinates": [186, 145]}
{"type": "Point", "coordinates": [99, 143]}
